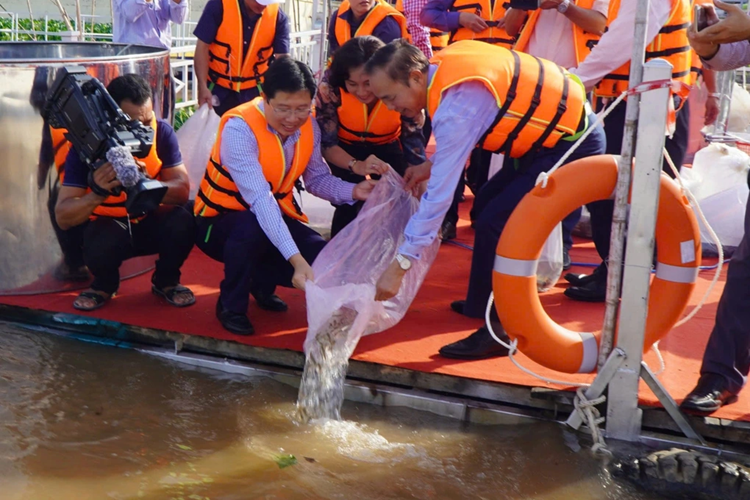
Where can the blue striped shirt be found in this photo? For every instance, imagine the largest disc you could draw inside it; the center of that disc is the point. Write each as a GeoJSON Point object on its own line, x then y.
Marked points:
{"type": "Point", "coordinates": [239, 154]}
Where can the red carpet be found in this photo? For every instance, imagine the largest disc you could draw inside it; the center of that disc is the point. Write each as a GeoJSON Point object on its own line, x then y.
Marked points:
{"type": "Point", "coordinates": [414, 343]}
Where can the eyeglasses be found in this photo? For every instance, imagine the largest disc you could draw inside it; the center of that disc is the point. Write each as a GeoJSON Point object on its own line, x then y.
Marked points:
{"type": "Point", "coordinates": [288, 112]}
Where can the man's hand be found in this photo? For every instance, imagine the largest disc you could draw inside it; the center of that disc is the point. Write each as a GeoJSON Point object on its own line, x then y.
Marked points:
{"type": "Point", "coordinates": [105, 177]}
{"type": "Point", "coordinates": [734, 28]}
{"type": "Point", "coordinates": [712, 110]}
{"type": "Point", "coordinates": [372, 165]}
{"type": "Point", "coordinates": [390, 282]}
{"type": "Point", "coordinates": [302, 271]}
{"type": "Point", "coordinates": [205, 96]}
{"type": "Point", "coordinates": [472, 22]}
{"type": "Point", "coordinates": [550, 4]}
{"type": "Point", "coordinates": [362, 190]}
{"type": "Point", "coordinates": [416, 174]}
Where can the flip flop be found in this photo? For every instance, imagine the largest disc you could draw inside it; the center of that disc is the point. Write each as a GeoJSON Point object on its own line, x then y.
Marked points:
{"type": "Point", "coordinates": [169, 295]}
{"type": "Point", "coordinates": [99, 300]}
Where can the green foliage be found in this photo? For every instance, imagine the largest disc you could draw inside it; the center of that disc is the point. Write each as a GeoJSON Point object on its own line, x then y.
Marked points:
{"type": "Point", "coordinates": [53, 26]}
{"type": "Point", "coordinates": [285, 460]}
{"type": "Point", "coordinates": [181, 116]}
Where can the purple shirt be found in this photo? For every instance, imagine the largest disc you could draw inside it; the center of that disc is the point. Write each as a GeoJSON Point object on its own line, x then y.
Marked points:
{"type": "Point", "coordinates": [730, 56]}
{"type": "Point", "coordinates": [436, 15]}
{"type": "Point", "coordinates": [167, 149]}
{"type": "Point", "coordinates": [208, 26]}
{"type": "Point", "coordinates": [387, 31]}
{"type": "Point", "coordinates": [147, 23]}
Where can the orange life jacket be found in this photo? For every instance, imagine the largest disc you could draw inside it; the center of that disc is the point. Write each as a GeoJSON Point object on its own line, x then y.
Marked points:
{"type": "Point", "coordinates": [539, 101]}
{"type": "Point", "coordinates": [60, 148]}
{"type": "Point", "coordinates": [491, 13]}
{"type": "Point", "coordinates": [356, 124]}
{"type": "Point", "coordinates": [377, 14]}
{"type": "Point", "coordinates": [218, 193]}
{"type": "Point", "coordinates": [696, 66]}
{"type": "Point", "coordinates": [226, 66]}
{"type": "Point", "coordinates": [438, 39]}
{"type": "Point", "coordinates": [114, 206]}
{"type": "Point", "coordinates": [583, 41]}
{"type": "Point", "coordinates": [671, 44]}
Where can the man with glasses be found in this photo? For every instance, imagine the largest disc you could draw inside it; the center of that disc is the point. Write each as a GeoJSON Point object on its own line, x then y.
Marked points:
{"type": "Point", "coordinates": [247, 216]}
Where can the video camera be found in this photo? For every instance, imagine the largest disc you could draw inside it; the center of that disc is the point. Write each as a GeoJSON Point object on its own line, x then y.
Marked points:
{"type": "Point", "coordinates": [101, 132]}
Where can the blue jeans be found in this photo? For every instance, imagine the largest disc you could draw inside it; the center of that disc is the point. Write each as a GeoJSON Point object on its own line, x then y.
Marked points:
{"type": "Point", "coordinates": [499, 197]}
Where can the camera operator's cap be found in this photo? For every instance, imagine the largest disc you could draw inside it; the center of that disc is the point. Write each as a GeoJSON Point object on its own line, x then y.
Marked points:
{"type": "Point", "coordinates": [269, 2]}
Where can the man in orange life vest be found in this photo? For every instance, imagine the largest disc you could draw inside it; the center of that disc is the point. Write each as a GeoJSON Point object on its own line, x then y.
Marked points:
{"type": "Point", "coordinates": [110, 235]}
{"type": "Point", "coordinates": [477, 93]}
{"type": "Point", "coordinates": [237, 39]}
{"type": "Point", "coordinates": [365, 17]}
{"type": "Point", "coordinates": [247, 216]}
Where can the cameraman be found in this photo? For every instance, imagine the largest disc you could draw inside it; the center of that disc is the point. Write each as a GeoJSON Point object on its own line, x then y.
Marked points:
{"type": "Point", "coordinates": [726, 362]}
{"type": "Point", "coordinates": [110, 236]}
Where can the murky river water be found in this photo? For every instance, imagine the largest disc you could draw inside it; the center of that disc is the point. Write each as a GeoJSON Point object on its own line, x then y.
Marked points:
{"type": "Point", "coordinates": [81, 421]}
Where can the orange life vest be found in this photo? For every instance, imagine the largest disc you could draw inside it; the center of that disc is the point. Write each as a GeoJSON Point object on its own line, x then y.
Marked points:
{"type": "Point", "coordinates": [671, 44]}
{"type": "Point", "coordinates": [377, 14]}
{"type": "Point", "coordinates": [218, 193]}
{"type": "Point", "coordinates": [696, 66]}
{"type": "Point", "coordinates": [356, 124]}
{"type": "Point", "coordinates": [539, 101]}
{"type": "Point", "coordinates": [226, 66]}
{"type": "Point", "coordinates": [492, 13]}
{"type": "Point", "coordinates": [438, 39]}
{"type": "Point", "coordinates": [583, 41]}
{"type": "Point", "coordinates": [60, 148]}
{"type": "Point", "coordinates": [114, 206]}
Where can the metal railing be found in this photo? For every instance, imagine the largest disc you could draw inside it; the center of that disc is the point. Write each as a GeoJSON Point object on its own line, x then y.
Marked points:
{"type": "Point", "coordinates": [305, 46]}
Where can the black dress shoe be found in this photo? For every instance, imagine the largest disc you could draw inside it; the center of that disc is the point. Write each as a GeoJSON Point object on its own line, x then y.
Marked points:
{"type": "Point", "coordinates": [593, 291]}
{"type": "Point", "coordinates": [478, 345]}
{"type": "Point", "coordinates": [236, 323]}
{"type": "Point", "coordinates": [709, 395]}
{"type": "Point", "coordinates": [584, 279]}
{"type": "Point", "coordinates": [458, 306]}
{"type": "Point", "coordinates": [448, 231]}
{"type": "Point", "coordinates": [269, 302]}
{"type": "Point", "coordinates": [566, 259]}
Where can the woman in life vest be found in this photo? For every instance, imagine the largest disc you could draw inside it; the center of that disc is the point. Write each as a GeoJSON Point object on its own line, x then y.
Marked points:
{"type": "Point", "coordinates": [360, 135]}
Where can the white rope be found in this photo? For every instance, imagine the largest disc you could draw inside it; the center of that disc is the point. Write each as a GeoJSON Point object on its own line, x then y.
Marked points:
{"type": "Point", "coordinates": [591, 416]}
{"type": "Point", "coordinates": [711, 232]}
{"type": "Point", "coordinates": [542, 178]}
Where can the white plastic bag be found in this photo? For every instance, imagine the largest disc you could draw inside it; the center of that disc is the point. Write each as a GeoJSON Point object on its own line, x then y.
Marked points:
{"type": "Point", "coordinates": [550, 265]}
{"type": "Point", "coordinates": [196, 138]}
{"type": "Point", "coordinates": [350, 265]}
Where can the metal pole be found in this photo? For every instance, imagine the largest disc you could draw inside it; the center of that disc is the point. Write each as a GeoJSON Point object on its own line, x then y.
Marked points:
{"type": "Point", "coordinates": [622, 190]}
{"type": "Point", "coordinates": [725, 86]}
{"type": "Point", "coordinates": [623, 414]}
{"type": "Point", "coordinates": [323, 36]}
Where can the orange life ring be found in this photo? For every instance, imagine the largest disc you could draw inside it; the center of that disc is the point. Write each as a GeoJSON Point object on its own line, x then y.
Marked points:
{"type": "Point", "coordinates": [514, 277]}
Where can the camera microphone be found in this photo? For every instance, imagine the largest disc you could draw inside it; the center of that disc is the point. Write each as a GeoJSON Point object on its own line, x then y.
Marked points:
{"type": "Point", "coordinates": [126, 169]}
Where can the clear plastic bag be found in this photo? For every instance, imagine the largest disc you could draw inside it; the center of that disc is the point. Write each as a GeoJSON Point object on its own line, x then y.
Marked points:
{"type": "Point", "coordinates": [196, 138]}
{"type": "Point", "coordinates": [350, 265]}
{"type": "Point", "coordinates": [550, 264]}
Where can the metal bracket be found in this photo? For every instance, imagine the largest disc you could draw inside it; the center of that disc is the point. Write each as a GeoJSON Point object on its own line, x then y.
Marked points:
{"type": "Point", "coordinates": [599, 385]}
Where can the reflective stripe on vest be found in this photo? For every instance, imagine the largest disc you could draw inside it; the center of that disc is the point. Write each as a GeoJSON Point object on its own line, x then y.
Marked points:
{"type": "Point", "coordinates": [114, 206]}
{"type": "Point", "coordinates": [670, 43]}
{"type": "Point", "coordinates": [225, 65]}
{"type": "Point", "coordinates": [492, 15]}
{"type": "Point", "coordinates": [539, 101]}
{"type": "Point", "coordinates": [379, 126]}
{"type": "Point", "coordinates": [377, 14]}
{"type": "Point", "coordinates": [582, 40]}
{"type": "Point", "coordinates": [218, 193]}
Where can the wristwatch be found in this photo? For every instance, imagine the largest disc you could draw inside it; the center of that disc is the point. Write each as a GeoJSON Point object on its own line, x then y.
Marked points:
{"type": "Point", "coordinates": [352, 162]}
{"type": "Point", "coordinates": [403, 262]}
{"type": "Point", "coordinates": [563, 6]}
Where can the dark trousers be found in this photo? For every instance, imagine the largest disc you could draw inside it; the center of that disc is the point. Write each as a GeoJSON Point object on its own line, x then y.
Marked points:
{"type": "Point", "coordinates": [70, 240]}
{"type": "Point", "coordinates": [390, 153]}
{"type": "Point", "coordinates": [475, 177]}
{"type": "Point", "coordinates": [251, 261]}
{"type": "Point", "coordinates": [728, 350]}
{"type": "Point", "coordinates": [107, 242]}
{"type": "Point", "coordinates": [614, 125]}
{"type": "Point", "coordinates": [497, 200]}
{"type": "Point", "coordinates": [229, 99]}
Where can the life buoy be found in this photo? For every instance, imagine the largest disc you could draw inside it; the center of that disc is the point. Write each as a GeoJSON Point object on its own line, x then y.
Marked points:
{"type": "Point", "coordinates": [514, 276]}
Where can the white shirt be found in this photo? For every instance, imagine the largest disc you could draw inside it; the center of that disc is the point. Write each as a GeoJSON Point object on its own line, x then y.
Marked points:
{"type": "Point", "coordinates": [616, 45]}
{"type": "Point", "coordinates": [552, 38]}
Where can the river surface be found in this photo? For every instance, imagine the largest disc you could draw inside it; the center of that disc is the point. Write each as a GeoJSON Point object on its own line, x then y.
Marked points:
{"type": "Point", "coordinates": [83, 421]}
